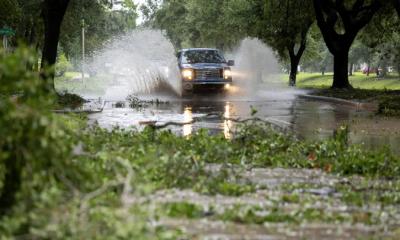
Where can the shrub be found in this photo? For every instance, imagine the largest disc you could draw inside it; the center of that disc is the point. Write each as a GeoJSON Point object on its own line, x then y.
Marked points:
{"type": "Point", "coordinates": [33, 144]}
{"type": "Point", "coordinates": [389, 105]}
{"type": "Point", "coordinates": [62, 65]}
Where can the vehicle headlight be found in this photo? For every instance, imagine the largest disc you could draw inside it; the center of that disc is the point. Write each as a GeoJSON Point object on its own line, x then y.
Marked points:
{"type": "Point", "coordinates": [227, 73]}
{"type": "Point", "coordinates": [187, 74]}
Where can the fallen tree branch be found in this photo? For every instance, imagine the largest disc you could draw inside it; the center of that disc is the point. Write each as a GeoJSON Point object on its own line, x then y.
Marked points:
{"type": "Point", "coordinates": [125, 182]}
{"type": "Point", "coordinates": [104, 188]}
{"type": "Point", "coordinates": [154, 125]}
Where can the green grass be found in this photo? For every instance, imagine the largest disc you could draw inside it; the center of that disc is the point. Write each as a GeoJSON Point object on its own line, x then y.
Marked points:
{"type": "Point", "coordinates": [383, 91]}
{"type": "Point", "coordinates": [70, 75]}
{"type": "Point", "coordinates": [358, 80]}
{"type": "Point", "coordinates": [71, 82]}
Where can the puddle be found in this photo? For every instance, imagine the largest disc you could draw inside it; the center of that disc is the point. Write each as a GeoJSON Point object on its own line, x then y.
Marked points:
{"type": "Point", "coordinates": [306, 118]}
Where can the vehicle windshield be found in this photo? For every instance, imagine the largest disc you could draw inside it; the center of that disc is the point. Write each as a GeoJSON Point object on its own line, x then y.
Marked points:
{"type": "Point", "coordinates": [202, 56]}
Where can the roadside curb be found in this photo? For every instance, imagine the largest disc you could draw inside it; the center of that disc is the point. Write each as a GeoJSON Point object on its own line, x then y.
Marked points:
{"type": "Point", "coordinates": [373, 107]}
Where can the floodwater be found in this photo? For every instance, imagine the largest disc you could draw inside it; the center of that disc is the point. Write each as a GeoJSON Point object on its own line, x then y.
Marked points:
{"type": "Point", "coordinates": [308, 119]}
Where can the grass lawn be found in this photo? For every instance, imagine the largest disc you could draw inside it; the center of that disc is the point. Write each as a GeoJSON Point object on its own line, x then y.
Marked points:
{"type": "Point", "coordinates": [384, 91]}
{"type": "Point", "coordinates": [71, 82]}
{"type": "Point", "coordinates": [358, 80]}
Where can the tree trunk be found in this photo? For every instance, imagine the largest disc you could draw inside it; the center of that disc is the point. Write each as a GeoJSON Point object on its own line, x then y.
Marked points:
{"type": "Point", "coordinates": [32, 36]}
{"type": "Point", "coordinates": [398, 69]}
{"type": "Point", "coordinates": [384, 70]}
{"type": "Point", "coordinates": [31, 41]}
{"type": "Point", "coordinates": [397, 6]}
{"type": "Point", "coordinates": [294, 65]}
{"type": "Point", "coordinates": [53, 12]}
{"type": "Point", "coordinates": [295, 57]}
{"type": "Point", "coordinates": [328, 14]}
{"type": "Point", "coordinates": [351, 69]}
{"type": "Point", "coordinates": [11, 185]}
{"type": "Point", "coordinates": [341, 77]}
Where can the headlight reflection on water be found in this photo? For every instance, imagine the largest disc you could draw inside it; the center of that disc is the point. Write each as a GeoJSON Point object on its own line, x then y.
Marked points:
{"type": "Point", "coordinates": [187, 117]}
{"type": "Point", "coordinates": [226, 125]}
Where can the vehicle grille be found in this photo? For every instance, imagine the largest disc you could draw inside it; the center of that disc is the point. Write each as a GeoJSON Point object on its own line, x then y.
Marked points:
{"type": "Point", "coordinates": [208, 74]}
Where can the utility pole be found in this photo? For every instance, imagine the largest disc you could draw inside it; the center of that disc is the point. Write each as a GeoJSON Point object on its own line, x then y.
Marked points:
{"type": "Point", "coordinates": [83, 49]}
{"type": "Point", "coordinates": [5, 42]}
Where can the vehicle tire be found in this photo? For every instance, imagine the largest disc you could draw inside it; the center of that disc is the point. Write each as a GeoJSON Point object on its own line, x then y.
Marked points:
{"type": "Point", "coordinates": [187, 93]}
{"type": "Point", "coordinates": [187, 89]}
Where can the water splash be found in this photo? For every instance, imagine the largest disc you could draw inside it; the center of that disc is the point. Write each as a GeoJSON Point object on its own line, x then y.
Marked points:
{"type": "Point", "coordinates": [255, 64]}
{"type": "Point", "coordinates": [141, 61]}
{"type": "Point", "coordinates": [144, 62]}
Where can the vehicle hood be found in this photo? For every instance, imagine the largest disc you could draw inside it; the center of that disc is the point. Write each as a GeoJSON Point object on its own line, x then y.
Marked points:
{"type": "Point", "coordinates": [204, 65]}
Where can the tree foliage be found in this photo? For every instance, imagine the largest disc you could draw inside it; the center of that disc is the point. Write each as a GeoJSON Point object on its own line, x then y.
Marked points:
{"type": "Point", "coordinates": [190, 23]}
{"type": "Point", "coordinates": [10, 13]}
{"type": "Point", "coordinates": [286, 28]}
{"type": "Point", "coordinates": [100, 22]}
{"type": "Point", "coordinates": [282, 24]}
{"type": "Point", "coordinates": [340, 22]}
{"type": "Point", "coordinates": [27, 126]}
{"type": "Point", "coordinates": [38, 24]}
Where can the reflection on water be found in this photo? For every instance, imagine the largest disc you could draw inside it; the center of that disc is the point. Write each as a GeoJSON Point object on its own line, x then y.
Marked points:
{"type": "Point", "coordinates": [224, 125]}
{"type": "Point", "coordinates": [187, 117]}
{"type": "Point", "coordinates": [309, 120]}
{"type": "Point", "coordinates": [227, 123]}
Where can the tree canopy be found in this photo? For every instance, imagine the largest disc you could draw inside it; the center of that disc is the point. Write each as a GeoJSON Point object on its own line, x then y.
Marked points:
{"type": "Point", "coordinates": [350, 30]}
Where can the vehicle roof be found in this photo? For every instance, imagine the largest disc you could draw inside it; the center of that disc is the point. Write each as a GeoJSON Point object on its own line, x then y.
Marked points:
{"type": "Point", "coordinates": [197, 49]}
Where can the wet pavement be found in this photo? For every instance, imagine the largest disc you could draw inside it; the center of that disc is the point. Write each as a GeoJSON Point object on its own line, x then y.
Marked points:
{"type": "Point", "coordinates": [308, 119]}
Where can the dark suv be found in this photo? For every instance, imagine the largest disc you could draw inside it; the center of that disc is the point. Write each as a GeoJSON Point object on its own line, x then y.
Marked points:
{"type": "Point", "coordinates": [205, 67]}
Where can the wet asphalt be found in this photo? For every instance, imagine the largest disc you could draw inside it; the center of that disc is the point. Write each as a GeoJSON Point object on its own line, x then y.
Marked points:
{"type": "Point", "coordinates": [308, 119]}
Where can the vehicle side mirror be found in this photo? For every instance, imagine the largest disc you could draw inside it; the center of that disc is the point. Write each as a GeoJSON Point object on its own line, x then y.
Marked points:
{"type": "Point", "coordinates": [231, 63]}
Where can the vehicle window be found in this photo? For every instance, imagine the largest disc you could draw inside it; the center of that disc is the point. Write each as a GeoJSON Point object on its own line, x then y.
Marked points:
{"type": "Point", "coordinates": [204, 56]}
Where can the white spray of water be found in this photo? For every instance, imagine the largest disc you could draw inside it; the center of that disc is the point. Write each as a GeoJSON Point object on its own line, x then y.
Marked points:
{"type": "Point", "coordinates": [141, 61]}
{"type": "Point", "coordinates": [256, 64]}
{"type": "Point", "coordinates": [144, 61]}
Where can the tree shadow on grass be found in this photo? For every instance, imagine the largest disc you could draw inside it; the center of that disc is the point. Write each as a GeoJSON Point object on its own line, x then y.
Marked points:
{"type": "Point", "coordinates": [317, 78]}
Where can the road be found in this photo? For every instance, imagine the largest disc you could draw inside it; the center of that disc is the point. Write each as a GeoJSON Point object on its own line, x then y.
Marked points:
{"type": "Point", "coordinates": [308, 119]}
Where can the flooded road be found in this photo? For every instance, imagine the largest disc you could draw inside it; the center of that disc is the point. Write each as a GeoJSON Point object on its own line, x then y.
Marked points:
{"type": "Point", "coordinates": [308, 119]}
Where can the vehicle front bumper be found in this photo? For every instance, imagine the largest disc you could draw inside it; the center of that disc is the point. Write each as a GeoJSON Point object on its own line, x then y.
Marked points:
{"type": "Point", "coordinates": [190, 84]}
